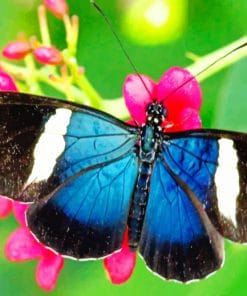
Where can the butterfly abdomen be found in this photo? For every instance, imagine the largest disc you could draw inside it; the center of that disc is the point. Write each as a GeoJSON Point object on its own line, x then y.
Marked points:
{"type": "Point", "coordinates": [148, 147]}
{"type": "Point", "coordinates": [139, 203]}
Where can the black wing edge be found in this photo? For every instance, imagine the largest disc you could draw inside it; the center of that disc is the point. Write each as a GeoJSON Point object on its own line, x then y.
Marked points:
{"type": "Point", "coordinates": [207, 133]}
{"type": "Point", "coordinates": [13, 98]}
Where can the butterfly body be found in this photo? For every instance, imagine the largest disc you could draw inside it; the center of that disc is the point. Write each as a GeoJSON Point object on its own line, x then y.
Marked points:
{"type": "Point", "coordinates": [150, 139]}
{"type": "Point", "coordinates": [87, 179]}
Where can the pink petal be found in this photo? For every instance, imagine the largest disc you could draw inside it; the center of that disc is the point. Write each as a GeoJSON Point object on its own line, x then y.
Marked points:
{"type": "Point", "coordinates": [7, 83]}
{"type": "Point", "coordinates": [21, 246]}
{"type": "Point", "coordinates": [119, 266]}
{"type": "Point", "coordinates": [190, 119]}
{"type": "Point", "coordinates": [137, 97]}
{"type": "Point", "coordinates": [19, 210]}
{"type": "Point", "coordinates": [48, 270]}
{"type": "Point", "coordinates": [175, 98]}
{"type": "Point", "coordinates": [5, 206]}
{"type": "Point", "coordinates": [185, 119]}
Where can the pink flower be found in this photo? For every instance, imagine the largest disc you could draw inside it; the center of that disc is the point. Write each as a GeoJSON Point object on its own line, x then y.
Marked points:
{"type": "Point", "coordinates": [22, 246]}
{"type": "Point", "coordinates": [16, 50]}
{"type": "Point", "coordinates": [58, 7]}
{"type": "Point", "coordinates": [120, 265]}
{"type": "Point", "coordinates": [183, 105]}
{"type": "Point", "coordinates": [48, 55]}
{"type": "Point", "coordinates": [7, 82]}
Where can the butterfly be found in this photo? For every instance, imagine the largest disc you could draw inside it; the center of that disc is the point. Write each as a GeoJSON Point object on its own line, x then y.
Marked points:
{"type": "Point", "coordinates": [89, 175]}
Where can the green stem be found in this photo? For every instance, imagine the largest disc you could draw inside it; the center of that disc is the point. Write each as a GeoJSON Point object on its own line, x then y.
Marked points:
{"type": "Point", "coordinates": [78, 96]}
{"type": "Point", "coordinates": [22, 73]}
{"type": "Point", "coordinates": [18, 71]}
{"type": "Point", "coordinates": [72, 30]}
{"type": "Point", "coordinates": [44, 30]}
{"type": "Point", "coordinates": [31, 80]}
{"type": "Point", "coordinates": [81, 80]}
{"type": "Point", "coordinates": [203, 62]}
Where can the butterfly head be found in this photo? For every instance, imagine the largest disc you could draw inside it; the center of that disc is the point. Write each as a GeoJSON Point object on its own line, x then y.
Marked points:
{"type": "Point", "coordinates": [156, 114]}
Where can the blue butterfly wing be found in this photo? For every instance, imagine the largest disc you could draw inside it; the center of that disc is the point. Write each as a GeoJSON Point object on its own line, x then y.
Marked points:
{"type": "Point", "coordinates": [175, 243]}
{"type": "Point", "coordinates": [179, 238]}
{"type": "Point", "coordinates": [78, 164]}
{"type": "Point", "coordinates": [87, 217]}
{"type": "Point", "coordinates": [213, 164]}
{"type": "Point", "coordinates": [43, 142]}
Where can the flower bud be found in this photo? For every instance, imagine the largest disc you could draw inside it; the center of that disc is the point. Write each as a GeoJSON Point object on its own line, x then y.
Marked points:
{"type": "Point", "coordinates": [7, 82]}
{"type": "Point", "coordinates": [48, 55]}
{"type": "Point", "coordinates": [58, 7]}
{"type": "Point", "coordinates": [16, 50]}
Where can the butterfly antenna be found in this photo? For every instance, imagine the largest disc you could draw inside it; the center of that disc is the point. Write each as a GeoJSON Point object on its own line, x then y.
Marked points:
{"type": "Point", "coordinates": [120, 43]}
{"type": "Point", "coordinates": [206, 68]}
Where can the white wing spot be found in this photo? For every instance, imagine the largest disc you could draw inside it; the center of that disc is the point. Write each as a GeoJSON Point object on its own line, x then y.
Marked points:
{"type": "Point", "coordinates": [227, 180]}
{"type": "Point", "coordinates": [50, 146]}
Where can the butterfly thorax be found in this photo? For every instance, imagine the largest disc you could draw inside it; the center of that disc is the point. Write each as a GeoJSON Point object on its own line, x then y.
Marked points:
{"type": "Point", "coordinates": [149, 147]}
{"type": "Point", "coordinates": [151, 132]}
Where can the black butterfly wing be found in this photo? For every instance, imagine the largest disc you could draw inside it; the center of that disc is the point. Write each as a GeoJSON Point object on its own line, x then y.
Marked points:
{"type": "Point", "coordinates": [44, 142]}
{"type": "Point", "coordinates": [87, 217]}
{"type": "Point", "coordinates": [179, 238]}
{"type": "Point", "coordinates": [79, 165]}
{"type": "Point", "coordinates": [214, 166]}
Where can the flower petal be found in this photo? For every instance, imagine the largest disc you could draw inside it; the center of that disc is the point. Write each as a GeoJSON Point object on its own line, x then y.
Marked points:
{"type": "Point", "coordinates": [190, 119]}
{"type": "Point", "coordinates": [185, 119]}
{"type": "Point", "coordinates": [174, 96]}
{"type": "Point", "coordinates": [136, 96]}
{"type": "Point", "coordinates": [119, 266]}
{"type": "Point", "coordinates": [22, 246]}
{"type": "Point", "coordinates": [7, 83]}
{"type": "Point", "coordinates": [19, 210]}
{"type": "Point", "coordinates": [5, 206]}
{"type": "Point", "coordinates": [48, 270]}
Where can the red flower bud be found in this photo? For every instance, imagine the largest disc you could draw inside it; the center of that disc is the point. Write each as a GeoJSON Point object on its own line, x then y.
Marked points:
{"type": "Point", "coordinates": [58, 7]}
{"type": "Point", "coordinates": [16, 50]}
{"type": "Point", "coordinates": [48, 55]}
{"type": "Point", "coordinates": [7, 82]}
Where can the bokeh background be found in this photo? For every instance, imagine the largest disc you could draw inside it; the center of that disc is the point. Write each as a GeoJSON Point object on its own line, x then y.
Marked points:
{"type": "Point", "coordinates": [154, 43]}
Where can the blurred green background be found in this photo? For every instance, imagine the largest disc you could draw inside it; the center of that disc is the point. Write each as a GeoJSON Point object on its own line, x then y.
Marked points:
{"type": "Point", "coordinates": [196, 26]}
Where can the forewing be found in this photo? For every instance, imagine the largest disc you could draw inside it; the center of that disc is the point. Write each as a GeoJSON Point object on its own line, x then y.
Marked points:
{"type": "Point", "coordinates": [43, 142]}
{"type": "Point", "coordinates": [213, 164]}
{"type": "Point", "coordinates": [87, 217]}
{"type": "Point", "coordinates": [178, 241]}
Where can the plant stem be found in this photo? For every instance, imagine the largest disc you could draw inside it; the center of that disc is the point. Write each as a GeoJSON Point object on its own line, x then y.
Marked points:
{"type": "Point", "coordinates": [81, 80]}
{"type": "Point", "coordinates": [31, 80]}
{"type": "Point", "coordinates": [44, 30]}
{"type": "Point", "coordinates": [203, 62]}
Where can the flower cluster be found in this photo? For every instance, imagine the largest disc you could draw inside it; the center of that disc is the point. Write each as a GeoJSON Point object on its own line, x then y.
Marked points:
{"type": "Point", "coordinates": [22, 246]}
{"type": "Point", "coordinates": [182, 100]}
